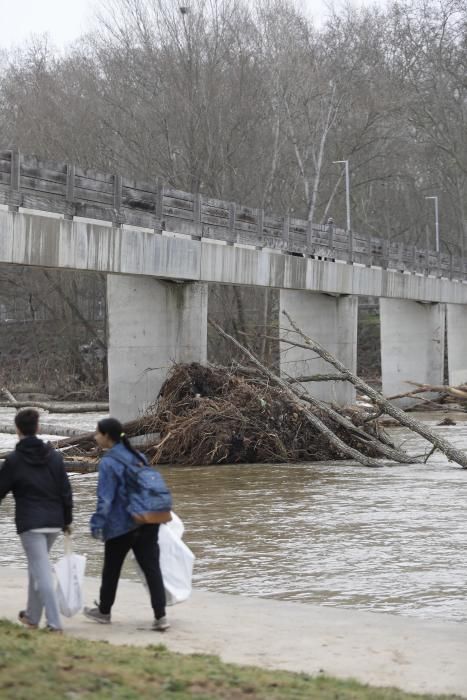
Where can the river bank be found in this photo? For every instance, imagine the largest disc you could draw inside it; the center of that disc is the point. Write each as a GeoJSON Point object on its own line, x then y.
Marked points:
{"type": "Point", "coordinates": [381, 650]}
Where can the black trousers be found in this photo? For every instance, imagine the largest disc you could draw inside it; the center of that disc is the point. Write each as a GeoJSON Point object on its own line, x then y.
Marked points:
{"type": "Point", "coordinates": [143, 542]}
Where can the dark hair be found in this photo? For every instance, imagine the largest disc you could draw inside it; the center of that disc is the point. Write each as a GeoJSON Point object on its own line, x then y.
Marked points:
{"type": "Point", "coordinates": [27, 421]}
{"type": "Point", "coordinates": [114, 429]}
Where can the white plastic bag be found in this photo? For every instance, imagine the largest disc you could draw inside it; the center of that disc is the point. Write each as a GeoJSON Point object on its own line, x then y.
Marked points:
{"type": "Point", "coordinates": [176, 562]}
{"type": "Point", "coordinates": [70, 574]}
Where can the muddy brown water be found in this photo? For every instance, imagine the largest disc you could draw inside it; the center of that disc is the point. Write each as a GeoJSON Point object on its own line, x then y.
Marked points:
{"type": "Point", "coordinates": [390, 540]}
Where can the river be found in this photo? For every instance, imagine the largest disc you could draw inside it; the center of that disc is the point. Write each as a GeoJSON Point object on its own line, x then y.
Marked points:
{"type": "Point", "coordinates": [334, 533]}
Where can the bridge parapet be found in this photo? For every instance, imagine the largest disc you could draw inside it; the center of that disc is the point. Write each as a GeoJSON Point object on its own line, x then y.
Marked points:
{"type": "Point", "coordinates": [31, 183]}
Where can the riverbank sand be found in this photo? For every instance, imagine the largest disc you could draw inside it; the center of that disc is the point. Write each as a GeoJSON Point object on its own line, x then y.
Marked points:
{"type": "Point", "coordinates": [382, 650]}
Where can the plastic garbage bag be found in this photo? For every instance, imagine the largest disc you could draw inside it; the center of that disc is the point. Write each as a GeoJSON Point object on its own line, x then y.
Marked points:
{"type": "Point", "coordinates": [69, 571]}
{"type": "Point", "coordinates": [176, 562]}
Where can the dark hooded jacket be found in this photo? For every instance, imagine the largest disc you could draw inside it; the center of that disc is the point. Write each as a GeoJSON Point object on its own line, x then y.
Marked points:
{"type": "Point", "coordinates": [34, 472]}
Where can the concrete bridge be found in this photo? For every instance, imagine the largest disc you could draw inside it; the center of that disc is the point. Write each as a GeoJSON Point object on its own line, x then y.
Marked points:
{"type": "Point", "coordinates": [161, 247]}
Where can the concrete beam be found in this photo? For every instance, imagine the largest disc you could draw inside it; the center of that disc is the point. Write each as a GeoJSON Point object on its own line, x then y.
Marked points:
{"type": "Point", "coordinates": [412, 345]}
{"type": "Point", "coordinates": [268, 268]}
{"type": "Point", "coordinates": [50, 241]}
{"type": "Point", "coordinates": [47, 241]}
{"type": "Point", "coordinates": [152, 324]}
{"type": "Point", "coordinates": [332, 321]}
{"type": "Point", "coordinates": [457, 343]}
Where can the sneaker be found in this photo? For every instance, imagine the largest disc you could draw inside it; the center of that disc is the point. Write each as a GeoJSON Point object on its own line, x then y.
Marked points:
{"type": "Point", "coordinates": [161, 624]}
{"type": "Point", "coordinates": [56, 630]}
{"type": "Point", "coordinates": [23, 618]}
{"type": "Point", "coordinates": [96, 615]}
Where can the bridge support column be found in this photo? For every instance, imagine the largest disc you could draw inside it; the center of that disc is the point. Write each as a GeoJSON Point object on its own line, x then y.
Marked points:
{"type": "Point", "coordinates": [151, 325]}
{"type": "Point", "coordinates": [412, 345]}
{"type": "Point", "coordinates": [457, 343]}
{"type": "Point", "coordinates": [332, 321]}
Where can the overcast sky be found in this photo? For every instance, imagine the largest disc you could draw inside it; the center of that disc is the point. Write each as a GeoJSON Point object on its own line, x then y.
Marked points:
{"type": "Point", "coordinates": [65, 20]}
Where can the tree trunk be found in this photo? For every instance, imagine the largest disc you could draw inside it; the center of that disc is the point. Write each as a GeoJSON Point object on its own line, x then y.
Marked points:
{"type": "Point", "coordinates": [440, 443]}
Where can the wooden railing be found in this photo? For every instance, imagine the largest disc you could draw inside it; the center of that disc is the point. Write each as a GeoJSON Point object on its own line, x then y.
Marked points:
{"type": "Point", "coordinates": [26, 181]}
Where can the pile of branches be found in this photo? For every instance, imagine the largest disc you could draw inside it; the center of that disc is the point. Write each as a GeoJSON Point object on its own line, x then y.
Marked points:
{"type": "Point", "coordinates": [213, 415]}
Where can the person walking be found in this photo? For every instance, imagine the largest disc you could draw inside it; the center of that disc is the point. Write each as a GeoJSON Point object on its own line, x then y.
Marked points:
{"type": "Point", "coordinates": [113, 523]}
{"type": "Point", "coordinates": [35, 474]}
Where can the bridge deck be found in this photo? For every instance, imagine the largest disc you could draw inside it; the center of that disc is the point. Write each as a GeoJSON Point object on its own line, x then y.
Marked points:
{"type": "Point", "coordinates": [31, 183]}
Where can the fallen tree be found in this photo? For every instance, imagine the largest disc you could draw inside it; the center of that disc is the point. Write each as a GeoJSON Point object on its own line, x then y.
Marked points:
{"type": "Point", "coordinates": [378, 399]}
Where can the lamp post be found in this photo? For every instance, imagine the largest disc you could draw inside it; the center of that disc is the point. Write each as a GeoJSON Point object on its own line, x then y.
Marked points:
{"type": "Point", "coordinates": [347, 189]}
{"type": "Point", "coordinates": [435, 198]}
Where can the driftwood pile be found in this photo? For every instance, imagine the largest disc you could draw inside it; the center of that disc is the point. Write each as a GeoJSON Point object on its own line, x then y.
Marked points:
{"type": "Point", "coordinates": [212, 415]}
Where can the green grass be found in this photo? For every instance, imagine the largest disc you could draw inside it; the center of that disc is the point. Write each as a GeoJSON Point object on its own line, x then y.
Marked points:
{"type": "Point", "coordinates": [37, 665]}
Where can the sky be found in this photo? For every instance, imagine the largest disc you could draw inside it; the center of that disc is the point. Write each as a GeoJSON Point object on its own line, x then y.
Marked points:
{"type": "Point", "coordinates": [66, 20]}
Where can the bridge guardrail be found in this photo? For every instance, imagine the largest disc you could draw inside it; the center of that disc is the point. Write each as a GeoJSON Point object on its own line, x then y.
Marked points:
{"type": "Point", "coordinates": [29, 182]}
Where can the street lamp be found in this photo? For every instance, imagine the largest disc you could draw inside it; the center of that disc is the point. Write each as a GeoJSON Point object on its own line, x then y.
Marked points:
{"type": "Point", "coordinates": [436, 222]}
{"type": "Point", "coordinates": [347, 189]}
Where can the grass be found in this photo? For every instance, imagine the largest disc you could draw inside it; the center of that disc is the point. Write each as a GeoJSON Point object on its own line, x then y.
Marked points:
{"type": "Point", "coordinates": [50, 667]}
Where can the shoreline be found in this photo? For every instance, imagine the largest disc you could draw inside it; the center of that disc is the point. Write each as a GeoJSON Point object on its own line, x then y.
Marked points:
{"type": "Point", "coordinates": [380, 649]}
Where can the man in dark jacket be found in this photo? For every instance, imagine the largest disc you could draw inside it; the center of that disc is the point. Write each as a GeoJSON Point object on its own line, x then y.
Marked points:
{"type": "Point", "coordinates": [36, 476]}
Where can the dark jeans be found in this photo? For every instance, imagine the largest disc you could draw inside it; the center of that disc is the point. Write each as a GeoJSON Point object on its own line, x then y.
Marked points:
{"type": "Point", "coordinates": [143, 542]}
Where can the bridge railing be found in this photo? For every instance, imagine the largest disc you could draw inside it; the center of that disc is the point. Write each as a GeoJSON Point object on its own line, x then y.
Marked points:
{"type": "Point", "coordinates": [29, 182]}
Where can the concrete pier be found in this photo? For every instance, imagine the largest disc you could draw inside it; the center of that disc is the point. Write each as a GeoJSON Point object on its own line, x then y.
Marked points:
{"type": "Point", "coordinates": [457, 343]}
{"type": "Point", "coordinates": [332, 321]}
{"type": "Point", "coordinates": [423, 656]}
{"type": "Point", "coordinates": [152, 324]}
{"type": "Point", "coordinates": [412, 345]}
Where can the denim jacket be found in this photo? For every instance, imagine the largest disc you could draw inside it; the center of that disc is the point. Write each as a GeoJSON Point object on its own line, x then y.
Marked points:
{"type": "Point", "coordinates": [111, 518]}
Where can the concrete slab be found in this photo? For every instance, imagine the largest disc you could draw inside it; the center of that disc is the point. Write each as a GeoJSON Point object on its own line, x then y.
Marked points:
{"type": "Point", "coordinates": [44, 241]}
{"type": "Point", "coordinates": [382, 650]}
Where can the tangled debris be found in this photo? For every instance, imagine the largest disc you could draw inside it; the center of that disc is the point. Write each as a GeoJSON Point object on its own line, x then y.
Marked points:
{"type": "Point", "coordinates": [214, 415]}
{"type": "Point", "coordinates": [208, 415]}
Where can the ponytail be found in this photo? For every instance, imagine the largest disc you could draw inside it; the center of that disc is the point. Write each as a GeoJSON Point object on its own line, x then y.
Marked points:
{"type": "Point", "coordinates": [114, 429]}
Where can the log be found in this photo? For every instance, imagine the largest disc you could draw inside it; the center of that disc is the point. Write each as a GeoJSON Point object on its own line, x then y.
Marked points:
{"type": "Point", "coordinates": [425, 388]}
{"type": "Point", "coordinates": [336, 442]}
{"type": "Point", "coordinates": [317, 378]}
{"type": "Point", "coordinates": [442, 389]}
{"type": "Point", "coordinates": [292, 380]}
{"type": "Point", "coordinates": [84, 440]}
{"type": "Point", "coordinates": [451, 452]}
{"type": "Point", "coordinates": [81, 467]}
{"type": "Point", "coordinates": [58, 407]}
{"type": "Point", "coordinates": [48, 428]}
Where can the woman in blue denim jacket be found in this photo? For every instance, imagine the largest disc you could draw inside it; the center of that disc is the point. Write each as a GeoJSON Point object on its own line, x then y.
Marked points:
{"type": "Point", "coordinates": [112, 523]}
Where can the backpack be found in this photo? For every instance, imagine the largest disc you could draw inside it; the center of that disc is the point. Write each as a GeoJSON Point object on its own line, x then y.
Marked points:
{"type": "Point", "coordinates": [149, 499]}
